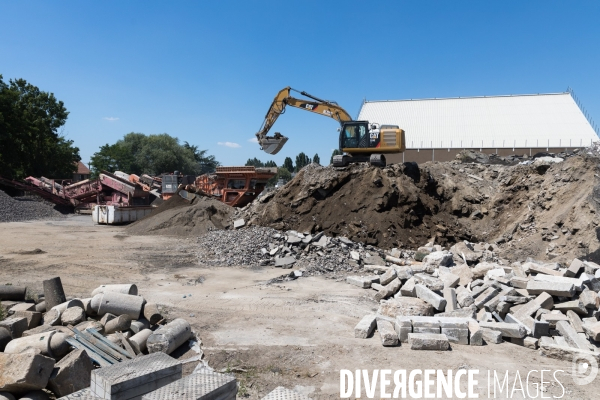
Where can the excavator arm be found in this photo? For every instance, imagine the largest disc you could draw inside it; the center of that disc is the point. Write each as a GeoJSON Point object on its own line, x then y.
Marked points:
{"type": "Point", "coordinates": [272, 144]}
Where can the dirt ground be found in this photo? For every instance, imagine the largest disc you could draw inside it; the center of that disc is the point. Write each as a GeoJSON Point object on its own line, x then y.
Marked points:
{"type": "Point", "coordinates": [298, 334]}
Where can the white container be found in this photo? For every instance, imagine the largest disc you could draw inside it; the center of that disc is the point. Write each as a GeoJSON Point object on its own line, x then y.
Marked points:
{"type": "Point", "coordinates": [113, 215]}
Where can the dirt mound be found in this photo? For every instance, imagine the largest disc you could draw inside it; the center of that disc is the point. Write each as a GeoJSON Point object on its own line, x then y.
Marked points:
{"type": "Point", "coordinates": [27, 208]}
{"type": "Point", "coordinates": [179, 217]}
{"type": "Point", "coordinates": [543, 209]}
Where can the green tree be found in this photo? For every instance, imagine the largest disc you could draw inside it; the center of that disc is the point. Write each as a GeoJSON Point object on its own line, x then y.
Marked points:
{"type": "Point", "coordinates": [30, 143]}
{"type": "Point", "coordinates": [335, 152]}
{"type": "Point", "coordinates": [254, 162]}
{"type": "Point", "coordinates": [288, 164]}
{"type": "Point", "coordinates": [270, 164]}
{"type": "Point", "coordinates": [316, 159]}
{"type": "Point", "coordinates": [140, 154]}
{"type": "Point", "coordinates": [302, 160]}
{"type": "Point", "coordinates": [284, 173]}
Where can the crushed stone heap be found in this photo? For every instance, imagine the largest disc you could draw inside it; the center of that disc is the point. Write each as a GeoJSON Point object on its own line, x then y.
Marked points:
{"type": "Point", "coordinates": [15, 209]}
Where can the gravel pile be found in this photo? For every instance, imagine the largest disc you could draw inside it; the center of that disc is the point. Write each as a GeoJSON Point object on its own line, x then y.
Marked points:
{"type": "Point", "coordinates": [15, 209]}
{"type": "Point", "coordinates": [307, 254]}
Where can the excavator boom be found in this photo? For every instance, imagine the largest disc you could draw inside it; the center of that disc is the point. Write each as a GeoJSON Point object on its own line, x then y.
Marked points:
{"type": "Point", "coordinates": [272, 144]}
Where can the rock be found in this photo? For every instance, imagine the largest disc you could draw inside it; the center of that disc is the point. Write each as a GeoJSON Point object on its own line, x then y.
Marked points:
{"type": "Point", "coordinates": [429, 282]}
{"type": "Point", "coordinates": [438, 258]}
{"type": "Point", "coordinates": [404, 306]}
{"type": "Point", "coordinates": [23, 372]}
{"type": "Point", "coordinates": [71, 374]}
{"type": "Point", "coordinates": [239, 223]}
{"type": "Point", "coordinates": [482, 268]}
{"type": "Point", "coordinates": [284, 262]}
{"type": "Point", "coordinates": [464, 273]}
{"type": "Point", "coordinates": [355, 255]}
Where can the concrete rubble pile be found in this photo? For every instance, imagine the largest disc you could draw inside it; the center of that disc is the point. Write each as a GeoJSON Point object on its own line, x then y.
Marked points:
{"type": "Point", "coordinates": [110, 345]}
{"type": "Point", "coordinates": [308, 254]}
{"type": "Point", "coordinates": [456, 297]}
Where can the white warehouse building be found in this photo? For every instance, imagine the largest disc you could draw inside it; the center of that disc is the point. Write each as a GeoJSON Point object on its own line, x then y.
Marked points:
{"type": "Point", "coordinates": [438, 129]}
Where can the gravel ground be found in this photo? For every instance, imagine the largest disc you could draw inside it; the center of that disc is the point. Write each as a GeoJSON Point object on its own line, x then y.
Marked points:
{"type": "Point", "coordinates": [15, 209]}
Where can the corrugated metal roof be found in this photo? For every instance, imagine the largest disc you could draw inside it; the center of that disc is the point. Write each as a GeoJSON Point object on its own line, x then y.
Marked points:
{"type": "Point", "coordinates": [543, 120]}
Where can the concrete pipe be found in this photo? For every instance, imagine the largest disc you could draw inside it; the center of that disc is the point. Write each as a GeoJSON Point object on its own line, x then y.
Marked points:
{"type": "Point", "coordinates": [41, 307]}
{"type": "Point", "coordinates": [51, 317]}
{"type": "Point", "coordinates": [128, 288]}
{"type": "Point", "coordinates": [13, 293]}
{"type": "Point", "coordinates": [138, 341]}
{"type": "Point", "coordinates": [169, 337]}
{"type": "Point", "coordinates": [72, 316]}
{"type": "Point", "coordinates": [50, 344]}
{"type": "Point", "coordinates": [68, 304]}
{"type": "Point", "coordinates": [152, 314]}
{"type": "Point", "coordinates": [139, 325]}
{"type": "Point", "coordinates": [121, 323]}
{"type": "Point", "coordinates": [5, 337]}
{"type": "Point", "coordinates": [54, 293]}
{"type": "Point", "coordinates": [118, 304]}
{"type": "Point", "coordinates": [87, 306]}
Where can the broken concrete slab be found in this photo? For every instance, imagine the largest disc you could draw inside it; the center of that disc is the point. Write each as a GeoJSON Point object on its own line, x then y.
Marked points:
{"type": "Point", "coordinates": [239, 223]}
{"type": "Point", "coordinates": [199, 386]}
{"type": "Point", "coordinates": [464, 273]}
{"type": "Point", "coordinates": [388, 335]}
{"type": "Point", "coordinates": [485, 296]}
{"type": "Point", "coordinates": [545, 301]}
{"type": "Point", "coordinates": [70, 374]}
{"type": "Point", "coordinates": [577, 283]}
{"type": "Point", "coordinates": [491, 336]}
{"type": "Point", "coordinates": [437, 301]}
{"type": "Point", "coordinates": [450, 280]}
{"type": "Point", "coordinates": [552, 288]}
{"type": "Point", "coordinates": [285, 262]}
{"type": "Point", "coordinates": [136, 377]}
{"type": "Point", "coordinates": [404, 306]}
{"type": "Point", "coordinates": [475, 333]}
{"type": "Point", "coordinates": [573, 305]}
{"type": "Point", "coordinates": [566, 353]}
{"type": "Point", "coordinates": [408, 289]}
{"type": "Point", "coordinates": [23, 372]}
{"type": "Point", "coordinates": [365, 327]}
{"type": "Point", "coordinates": [574, 268]}
{"type": "Point", "coordinates": [33, 317]}
{"type": "Point", "coordinates": [359, 281]}
{"type": "Point", "coordinates": [463, 297]}
{"type": "Point", "coordinates": [387, 276]}
{"type": "Point", "coordinates": [592, 331]}
{"type": "Point", "coordinates": [388, 290]}
{"type": "Point", "coordinates": [403, 326]}
{"type": "Point", "coordinates": [16, 326]}
{"type": "Point", "coordinates": [428, 341]}
{"type": "Point", "coordinates": [450, 297]}
{"type": "Point", "coordinates": [567, 331]}
{"type": "Point", "coordinates": [589, 299]}
{"type": "Point", "coordinates": [429, 282]}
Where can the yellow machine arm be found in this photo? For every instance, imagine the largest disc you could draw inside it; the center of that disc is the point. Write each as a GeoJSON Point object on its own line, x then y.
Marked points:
{"type": "Point", "coordinates": [272, 144]}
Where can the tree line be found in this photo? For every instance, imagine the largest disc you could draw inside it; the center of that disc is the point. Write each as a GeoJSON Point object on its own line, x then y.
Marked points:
{"type": "Point", "coordinates": [284, 172]}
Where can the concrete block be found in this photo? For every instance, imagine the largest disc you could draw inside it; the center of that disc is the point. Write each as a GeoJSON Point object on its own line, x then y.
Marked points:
{"type": "Point", "coordinates": [475, 334]}
{"type": "Point", "coordinates": [404, 306]}
{"type": "Point", "coordinates": [124, 288]}
{"type": "Point", "coordinates": [552, 318]}
{"type": "Point", "coordinates": [387, 276]}
{"type": "Point", "coordinates": [575, 321]}
{"type": "Point", "coordinates": [468, 312]}
{"type": "Point", "coordinates": [429, 282]}
{"type": "Point", "coordinates": [503, 307]}
{"type": "Point", "coordinates": [403, 326]}
{"type": "Point", "coordinates": [530, 343]}
{"type": "Point", "coordinates": [428, 341]}
{"type": "Point", "coordinates": [464, 297]}
{"type": "Point", "coordinates": [527, 310]}
{"type": "Point", "coordinates": [425, 325]}
{"type": "Point", "coordinates": [16, 326]}
{"type": "Point", "coordinates": [408, 289]}
{"type": "Point", "coordinates": [538, 269]}
{"type": "Point", "coordinates": [592, 331]}
{"type": "Point", "coordinates": [71, 374]}
{"type": "Point", "coordinates": [450, 280]}
{"type": "Point", "coordinates": [403, 273]}
{"type": "Point", "coordinates": [23, 372]}
{"type": "Point", "coordinates": [169, 337]}
{"type": "Point", "coordinates": [118, 304]}
{"type": "Point", "coordinates": [388, 335]}
{"type": "Point", "coordinates": [589, 298]}
{"type": "Point", "coordinates": [566, 353]}
{"type": "Point", "coordinates": [136, 377]}
{"type": "Point", "coordinates": [388, 290]}
{"type": "Point", "coordinates": [464, 273]}
{"type": "Point", "coordinates": [545, 301]}
{"type": "Point", "coordinates": [537, 328]}
{"type": "Point", "coordinates": [22, 307]}
{"type": "Point", "coordinates": [491, 336]}
{"type": "Point", "coordinates": [573, 305]}
{"type": "Point", "coordinates": [485, 296]}
{"type": "Point", "coordinates": [359, 281]}
{"type": "Point", "coordinates": [54, 293]}
{"type": "Point", "coordinates": [281, 393]}
{"type": "Point", "coordinates": [199, 386]}
{"type": "Point", "coordinates": [425, 294]}
{"type": "Point", "coordinates": [511, 319]}
{"type": "Point", "coordinates": [365, 327]}
{"type": "Point", "coordinates": [552, 288]}
{"type": "Point", "coordinates": [507, 329]}
{"type": "Point", "coordinates": [450, 297]}
{"type": "Point", "coordinates": [33, 317]}
{"type": "Point", "coordinates": [574, 268]}
{"type": "Point", "coordinates": [239, 223]}
{"type": "Point", "coordinates": [457, 335]}
{"type": "Point", "coordinates": [571, 336]}
{"type": "Point", "coordinates": [518, 282]}
{"type": "Point", "coordinates": [578, 283]}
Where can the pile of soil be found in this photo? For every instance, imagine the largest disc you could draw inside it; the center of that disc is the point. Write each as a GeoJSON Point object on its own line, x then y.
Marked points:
{"type": "Point", "coordinates": [180, 217]}
{"type": "Point", "coordinates": [543, 209]}
{"type": "Point", "coordinates": [27, 208]}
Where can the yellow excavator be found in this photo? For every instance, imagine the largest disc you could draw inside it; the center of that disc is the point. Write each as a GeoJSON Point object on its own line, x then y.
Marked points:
{"type": "Point", "coordinates": [360, 141]}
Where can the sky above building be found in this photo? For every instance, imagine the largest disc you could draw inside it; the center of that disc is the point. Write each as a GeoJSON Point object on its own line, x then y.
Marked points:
{"type": "Point", "coordinates": [206, 72]}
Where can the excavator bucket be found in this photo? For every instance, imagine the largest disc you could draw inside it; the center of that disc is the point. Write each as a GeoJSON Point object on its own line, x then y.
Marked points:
{"type": "Point", "coordinates": [272, 145]}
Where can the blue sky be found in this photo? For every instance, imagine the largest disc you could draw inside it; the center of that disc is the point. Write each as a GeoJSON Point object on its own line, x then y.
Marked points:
{"type": "Point", "coordinates": [206, 72]}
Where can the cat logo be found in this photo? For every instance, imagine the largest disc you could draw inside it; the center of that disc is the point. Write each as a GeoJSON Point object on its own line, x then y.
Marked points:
{"type": "Point", "coordinates": [309, 106]}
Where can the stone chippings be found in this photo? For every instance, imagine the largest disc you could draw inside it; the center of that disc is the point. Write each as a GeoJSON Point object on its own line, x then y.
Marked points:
{"type": "Point", "coordinates": [318, 254]}
{"type": "Point", "coordinates": [27, 208]}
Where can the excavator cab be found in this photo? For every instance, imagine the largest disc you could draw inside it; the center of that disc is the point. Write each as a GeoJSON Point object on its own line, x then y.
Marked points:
{"type": "Point", "coordinates": [355, 134]}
